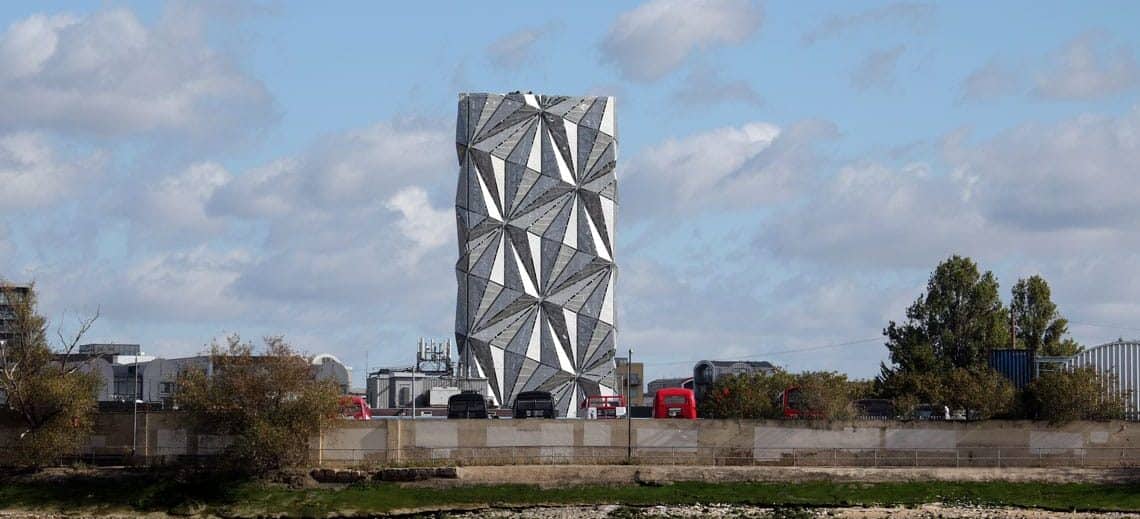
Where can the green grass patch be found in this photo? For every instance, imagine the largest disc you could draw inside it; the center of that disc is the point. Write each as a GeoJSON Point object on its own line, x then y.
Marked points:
{"type": "Point", "coordinates": [229, 496]}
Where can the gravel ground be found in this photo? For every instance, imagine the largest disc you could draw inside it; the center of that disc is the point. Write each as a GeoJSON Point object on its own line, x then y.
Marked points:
{"type": "Point", "coordinates": [931, 511]}
{"type": "Point", "coordinates": [560, 475]}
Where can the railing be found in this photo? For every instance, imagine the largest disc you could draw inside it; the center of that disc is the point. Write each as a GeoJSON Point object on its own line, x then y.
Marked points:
{"type": "Point", "coordinates": [726, 456]}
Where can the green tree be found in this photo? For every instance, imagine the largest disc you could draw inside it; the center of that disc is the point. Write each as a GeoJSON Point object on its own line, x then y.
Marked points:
{"type": "Point", "coordinates": [910, 388]}
{"type": "Point", "coordinates": [46, 394]}
{"type": "Point", "coordinates": [825, 394]}
{"type": "Point", "coordinates": [955, 323]}
{"type": "Point", "coordinates": [981, 391]}
{"type": "Point", "coordinates": [1040, 327]}
{"type": "Point", "coordinates": [748, 396]}
{"type": "Point", "coordinates": [1081, 393]}
{"type": "Point", "coordinates": [270, 405]}
{"type": "Point", "coordinates": [759, 395]}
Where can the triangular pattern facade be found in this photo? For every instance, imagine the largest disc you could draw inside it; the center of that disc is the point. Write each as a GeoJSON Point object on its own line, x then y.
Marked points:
{"type": "Point", "coordinates": [535, 210]}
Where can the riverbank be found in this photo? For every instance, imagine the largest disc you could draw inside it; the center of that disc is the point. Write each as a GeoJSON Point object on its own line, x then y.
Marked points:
{"type": "Point", "coordinates": [130, 493]}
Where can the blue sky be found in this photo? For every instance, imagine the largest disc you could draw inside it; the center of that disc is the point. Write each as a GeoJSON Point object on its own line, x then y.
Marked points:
{"type": "Point", "coordinates": [790, 172]}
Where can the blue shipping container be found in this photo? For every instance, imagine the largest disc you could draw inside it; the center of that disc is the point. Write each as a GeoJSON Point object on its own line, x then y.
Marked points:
{"type": "Point", "coordinates": [1015, 365]}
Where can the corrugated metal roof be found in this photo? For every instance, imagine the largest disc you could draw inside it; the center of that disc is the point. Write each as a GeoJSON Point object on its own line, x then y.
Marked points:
{"type": "Point", "coordinates": [1121, 358]}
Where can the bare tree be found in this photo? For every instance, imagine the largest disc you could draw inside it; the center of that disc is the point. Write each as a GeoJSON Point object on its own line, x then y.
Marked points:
{"type": "Point", "coordinates": [48, 396]}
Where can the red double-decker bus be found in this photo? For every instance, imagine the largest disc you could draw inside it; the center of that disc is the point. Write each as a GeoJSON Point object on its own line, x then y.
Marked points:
{"type": "Point", "coordinates": [355, 408]}
{"type": "Point", "coordinates": [675, 402]}
{"type": "Point", "coordinates": [791, 400]}
{"type": "Point", "coordinates": [605, 406]}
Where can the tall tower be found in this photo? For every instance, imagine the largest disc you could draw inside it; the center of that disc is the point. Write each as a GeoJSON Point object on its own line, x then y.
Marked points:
{"type": "Point", "coordinates": [535, 210]}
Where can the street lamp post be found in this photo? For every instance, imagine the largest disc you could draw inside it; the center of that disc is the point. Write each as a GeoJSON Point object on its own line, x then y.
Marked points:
{"type": "Point", "coordinates": [628, 409]}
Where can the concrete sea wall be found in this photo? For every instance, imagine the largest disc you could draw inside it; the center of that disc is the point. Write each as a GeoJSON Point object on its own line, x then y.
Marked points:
{"type": "Point", "coordinates": [165, 437]}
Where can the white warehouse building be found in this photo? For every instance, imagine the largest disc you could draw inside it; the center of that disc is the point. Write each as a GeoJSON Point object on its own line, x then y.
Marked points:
{"type": "Point", "coordinates": [1121, 358]}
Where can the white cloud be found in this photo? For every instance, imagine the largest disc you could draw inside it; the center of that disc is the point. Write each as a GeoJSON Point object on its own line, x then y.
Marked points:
{"type": "Point", "coordinates": [656, 37]}
{"type": "Point", "coordinates": [425, 226]}
{"type": "Point", "coordinates": [353, 169]}
{"type": "Point", "coordinates": [992, 80]}
{"type": "Point", "coordinates": [517, 49]}
{"type": "Point", "coordinates": [195, 284]}
{"type": "Point", "coordinates": [1088, 67]}
{"type": "Point", "coordinates": [917, 16]}
{"type": "Point", "coordinates": [177, 204]}
{"type": "Point", "coordinates": [703, 86]}
{"type": "Point", "coordinates": [877, 69]}
{"type": "Point", "coordinates": [872, 215]}
{"type": "Point", "coordinates": [725, 168]}
{"type": "Point", "coordinates": [108, 74]}
{"type": "Point", "coordinates": [34, 174]}
{"type": "Point", "coordinates": [1040, 190]}
{"type": "Point", "coordinates": [1076, 174]}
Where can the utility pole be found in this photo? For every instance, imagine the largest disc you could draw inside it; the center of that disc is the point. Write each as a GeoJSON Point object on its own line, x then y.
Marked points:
{"type": "Point", "coordinates": [628, 408]}
{"type": "Point", "coordinates": [414, 380]}
{"type": "Point", "coordinates": [135, 414]}
{"type": "Point", "coordinates": [1012, 327]}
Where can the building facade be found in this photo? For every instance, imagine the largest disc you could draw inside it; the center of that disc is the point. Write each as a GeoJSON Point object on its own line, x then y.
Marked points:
{"type": "Point", "coordinates": [9, 295]}
{"type": "Point", "coordinates": [536, 206]}
{"type": "Point", "coordinates": [634, 387]}
{"type": "Point", "coordinates": [1120, 358]}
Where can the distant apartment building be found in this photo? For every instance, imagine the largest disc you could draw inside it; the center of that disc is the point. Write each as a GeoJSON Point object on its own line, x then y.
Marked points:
{"type": "Point", "coordinates": [9, 294]}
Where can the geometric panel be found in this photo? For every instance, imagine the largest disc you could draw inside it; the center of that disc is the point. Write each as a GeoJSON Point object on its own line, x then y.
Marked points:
{"type": "Point", "coordinates": [535, 211]}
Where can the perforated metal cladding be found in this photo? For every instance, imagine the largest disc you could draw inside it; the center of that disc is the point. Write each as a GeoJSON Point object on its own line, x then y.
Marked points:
{"type": "Point", "coordinates": [535, 210]}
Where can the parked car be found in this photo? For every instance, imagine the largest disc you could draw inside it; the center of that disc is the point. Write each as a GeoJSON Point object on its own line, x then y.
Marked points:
{"type": "Point", "coordinates": [874, 409]}
{"type": "Point", "coordinates": [534, 404]}
{"type": "Point", "coordinates": [468, 404]}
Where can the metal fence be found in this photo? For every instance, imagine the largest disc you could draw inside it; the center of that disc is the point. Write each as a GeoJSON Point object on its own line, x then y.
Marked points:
{"type": "Point", "coordinates": [978, 457]}
{"type": "Point", "coordinates": [724, 456]}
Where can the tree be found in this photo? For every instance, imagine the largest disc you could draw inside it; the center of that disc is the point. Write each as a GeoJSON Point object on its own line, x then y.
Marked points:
{"type": "Point", "coordinates": [1074, 394]}
{"type": "Point", "coordinates": [759, 395]}
{"type": "Point", "coordinates": [748, 395]}
{"type": "Point", "coordinates": [955, 324]}
{"type": "Point", "coordinates": [269, 404]}
{"type": "Point", "coordinates": [1040, 327]}
{"type": "Point", "coordinates": [910, 388]}
{"type": "Point", "coordinates": [981, 391]}
{"type": "Point", "coordinates": [48, 396]}
{"type": "Point", "coordinates": [825, 394]}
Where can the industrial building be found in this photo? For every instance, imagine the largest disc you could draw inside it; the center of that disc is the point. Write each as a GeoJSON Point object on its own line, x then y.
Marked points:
{"type": "Point", "coordinates": [427, 383]}
{"type": "Point", "coordinates": [128, 374]}
{"type": "Point", "coordinates": [1119, 358]}
{"type": "Point", "coordinates": [536, 204]}
{"type": "Point", "coordinates": [635, 390]}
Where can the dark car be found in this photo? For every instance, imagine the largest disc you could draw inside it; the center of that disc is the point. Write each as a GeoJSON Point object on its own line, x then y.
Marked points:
{"type": "Point", "coordinates": [874, 409]}
{"type": "Point", "coordinates": [467, 405]}
{"type": "Point", "coordinates": [534, 404]}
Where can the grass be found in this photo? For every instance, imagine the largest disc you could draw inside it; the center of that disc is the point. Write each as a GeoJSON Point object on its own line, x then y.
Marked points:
{"type": "Point", "coordinates": [229, 497]}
